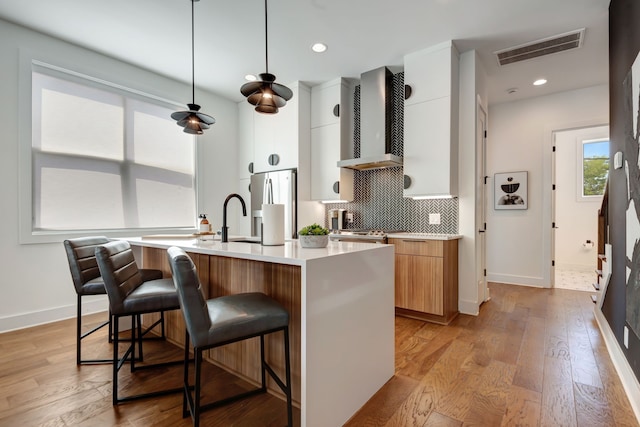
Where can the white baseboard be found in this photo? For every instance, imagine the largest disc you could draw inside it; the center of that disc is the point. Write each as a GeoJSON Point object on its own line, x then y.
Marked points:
{"type": "Point", "coordinates": [34, 318]}
{"type": "Point", "coordinates": [468, 307]}
{"type": "Point", "coordinates": [626, 374]}
{"type": "Point", "coordinates": [509, 279]}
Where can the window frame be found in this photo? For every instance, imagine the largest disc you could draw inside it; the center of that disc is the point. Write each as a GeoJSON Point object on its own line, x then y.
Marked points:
{"type": "Point", "coordinates": [28, 234]}
{"type": "Point", "coordinates": [580, 196]}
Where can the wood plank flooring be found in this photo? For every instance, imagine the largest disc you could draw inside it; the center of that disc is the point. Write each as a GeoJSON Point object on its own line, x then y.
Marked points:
{"type": "Point", "coordinates": [534, 357]}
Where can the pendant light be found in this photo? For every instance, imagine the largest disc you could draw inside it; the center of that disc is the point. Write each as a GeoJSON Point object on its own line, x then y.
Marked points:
{"type": "Point", "coordinates": [193, 121]}
{"type": "Point", "coordinates": [267, 95]}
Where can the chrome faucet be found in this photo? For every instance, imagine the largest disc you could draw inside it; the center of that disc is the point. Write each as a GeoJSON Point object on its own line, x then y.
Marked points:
{"type": "Point", "coordinates": [225, 229]}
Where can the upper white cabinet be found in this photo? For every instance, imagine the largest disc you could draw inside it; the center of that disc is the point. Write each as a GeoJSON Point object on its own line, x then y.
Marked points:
{"type": "Point", "coordinates": [246, 115]}
{"type": "Point", "coordinates": [281, 141]}
{"type": "Point", "coordinates": [431, 122]}
{"type": "Point", "coordinates": [429, 73]}
{"type": "Point", "coordinates": [331, 130]}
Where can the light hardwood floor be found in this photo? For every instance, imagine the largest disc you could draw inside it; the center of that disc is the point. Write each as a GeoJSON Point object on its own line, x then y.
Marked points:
{"type": "Point", "coordinates": [532, 357]}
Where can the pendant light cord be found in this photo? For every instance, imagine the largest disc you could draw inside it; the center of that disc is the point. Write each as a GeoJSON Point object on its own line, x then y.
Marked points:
{"type": "Point", "coordinates": [193, 72]}
{"type": "Point", "coordinates": [266, 42]}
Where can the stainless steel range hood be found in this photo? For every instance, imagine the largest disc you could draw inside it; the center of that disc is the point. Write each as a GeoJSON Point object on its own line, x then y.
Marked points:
{"type": "Point", "coordinates": [376, 103]}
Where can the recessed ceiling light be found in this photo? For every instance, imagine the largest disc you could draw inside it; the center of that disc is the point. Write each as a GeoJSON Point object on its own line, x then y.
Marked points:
{"type": "Point", "coordinates": [250, 78]}
{"type": "Point", "coordinates": [539, 82]}
{"type": "Point", "coordinates": [319, 47]}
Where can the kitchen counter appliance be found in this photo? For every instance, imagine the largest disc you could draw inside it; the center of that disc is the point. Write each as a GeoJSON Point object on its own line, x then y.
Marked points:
{"type": "Point", "coordinates": [279, 187]}
{"type": "Point", "coordinates": [362, 235]}
{"type": "Point", "coordinates": [337, 219]}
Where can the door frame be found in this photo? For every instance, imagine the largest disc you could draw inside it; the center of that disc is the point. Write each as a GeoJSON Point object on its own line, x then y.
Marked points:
{"type": "Point", "coordinates": [554, 181]}
{"type": "Point", "coordinates": [548, 179]}
{"type": "Point", "coordinates": [481, 205]}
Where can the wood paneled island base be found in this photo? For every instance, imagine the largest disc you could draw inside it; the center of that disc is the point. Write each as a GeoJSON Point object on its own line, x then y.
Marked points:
{"type": "Point", "coordinates": [221, 276]}
{"type": "Point", "coordinates": [341, 303]}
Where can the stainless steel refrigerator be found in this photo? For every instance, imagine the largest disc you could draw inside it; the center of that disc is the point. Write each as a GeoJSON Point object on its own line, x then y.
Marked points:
{"type": "Point", "coordinates": [278, 187]}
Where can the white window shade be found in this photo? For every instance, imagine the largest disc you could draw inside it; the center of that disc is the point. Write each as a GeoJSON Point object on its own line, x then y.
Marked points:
{"type": "Point", "coordinates": [107, 160]}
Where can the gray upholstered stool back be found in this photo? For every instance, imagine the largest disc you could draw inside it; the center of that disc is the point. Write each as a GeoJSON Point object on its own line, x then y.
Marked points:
{"type": "Point", "coordinates": [82, 262]}
{"type": "Point", "coordinates": [192, 301]}
{"type": "Point", "coordinates": [119, 272]}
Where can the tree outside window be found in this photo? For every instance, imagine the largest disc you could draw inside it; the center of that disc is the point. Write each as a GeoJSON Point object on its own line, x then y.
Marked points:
{"type": "Point", "coordinates": [595, 167]}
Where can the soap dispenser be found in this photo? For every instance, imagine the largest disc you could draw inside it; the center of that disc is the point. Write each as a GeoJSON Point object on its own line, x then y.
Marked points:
{"type": "Point", "coordinates": [204, 226]}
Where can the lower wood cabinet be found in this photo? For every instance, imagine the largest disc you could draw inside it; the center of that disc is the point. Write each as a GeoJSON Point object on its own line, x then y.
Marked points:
{"type": "Point", "coordinates": [426, 279]}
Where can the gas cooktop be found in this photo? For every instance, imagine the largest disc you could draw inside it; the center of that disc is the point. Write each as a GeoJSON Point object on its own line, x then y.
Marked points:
{"type": "Point", "coordinates": [363, 234]}
{"type": "Point", "coordinates": [368, 231]}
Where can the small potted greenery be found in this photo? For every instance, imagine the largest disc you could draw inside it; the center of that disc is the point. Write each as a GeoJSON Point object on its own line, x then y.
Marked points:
{"type": "Point", "coordinates": [313, 236]}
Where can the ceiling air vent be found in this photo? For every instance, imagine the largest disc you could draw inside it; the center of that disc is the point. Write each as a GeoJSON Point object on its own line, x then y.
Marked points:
{"type": "Point", "coordinates": [554, 44]}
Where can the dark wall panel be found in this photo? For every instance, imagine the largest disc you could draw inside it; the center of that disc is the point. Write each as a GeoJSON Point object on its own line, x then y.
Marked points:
{"type": "Point", "coordinates": [624, 45]}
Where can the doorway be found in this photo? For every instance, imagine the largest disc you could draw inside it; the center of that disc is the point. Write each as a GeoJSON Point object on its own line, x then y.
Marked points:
{"type": "Point", "coordinates": [580, 167]}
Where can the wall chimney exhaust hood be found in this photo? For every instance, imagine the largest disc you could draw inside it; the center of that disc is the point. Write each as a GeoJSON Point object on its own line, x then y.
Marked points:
{"type": "Point", "coordinates": [376, 103]}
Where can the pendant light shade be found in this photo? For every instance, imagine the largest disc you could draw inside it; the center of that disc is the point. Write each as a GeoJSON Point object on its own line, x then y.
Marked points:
{"type": "Point", "coordinates": [267, 95]}
{"type": "Point", "coordinates": [193, 121]}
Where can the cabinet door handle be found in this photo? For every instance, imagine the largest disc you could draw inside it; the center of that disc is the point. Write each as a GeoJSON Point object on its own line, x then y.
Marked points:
{"type": "Point", "coordinates": [406, 181]}
{"type": "Point", "coordinates": [407, 92]}
{"type": "Point", "coordinates": [480, 231]}
{"type": "Point", "coordinates": [274, 159]}
{"type": "Point", "coordinates": [415, 241]}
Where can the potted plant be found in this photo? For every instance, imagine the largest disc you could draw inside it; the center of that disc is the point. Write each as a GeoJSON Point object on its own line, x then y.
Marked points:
{"type": "Point", "coordinates": [313, 236]}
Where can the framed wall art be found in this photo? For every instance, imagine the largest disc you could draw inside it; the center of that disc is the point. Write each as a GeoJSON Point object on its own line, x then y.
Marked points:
{"type": "Point", "coordinates": [510, 190]}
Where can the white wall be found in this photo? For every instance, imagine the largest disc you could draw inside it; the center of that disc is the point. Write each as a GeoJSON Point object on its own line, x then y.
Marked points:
{"type": "Point", "coordinates": [36, 285]}
{"type": "Point", "coordinates": [576, 217]}
{"type": "Point", "coordinates": [472, 95]}
{"type": "Point", "coordinates": [520, 135]}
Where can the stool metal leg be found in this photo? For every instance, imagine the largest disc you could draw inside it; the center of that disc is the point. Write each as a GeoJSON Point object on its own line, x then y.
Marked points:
{"type": "Point", "coordinates": [187, 394]}
{"type": "Point", "coordinates": [79, 331]}
{"type": "Point", "coordinates": [110, 326]}
{"type": "Point", "coordinates": [80, 336]}
{"type": "Point", "coordinates": [115, 361]}
{"type": "Point", "coordinates": [287, 360]}
{"type": "Point", "coordinates": [263, 365]}
{"type": "Point", "coordinates": [196, 411]}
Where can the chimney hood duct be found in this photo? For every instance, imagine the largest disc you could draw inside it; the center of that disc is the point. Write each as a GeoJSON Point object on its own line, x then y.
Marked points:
{"type": "Point", "coordinates": [376, 103]}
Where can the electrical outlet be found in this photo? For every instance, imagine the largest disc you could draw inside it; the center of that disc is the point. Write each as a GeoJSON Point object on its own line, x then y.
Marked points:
{"type": "Point", "coordinates": [626, 337]}
{"type": "Point", "coordinates": [434, 218]}
{"type": "Point", "coordinates": [350, 217]}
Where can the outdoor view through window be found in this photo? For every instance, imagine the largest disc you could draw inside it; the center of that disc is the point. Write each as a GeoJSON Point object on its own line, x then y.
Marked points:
{"type": "Point", "coordinates": [595, 167]}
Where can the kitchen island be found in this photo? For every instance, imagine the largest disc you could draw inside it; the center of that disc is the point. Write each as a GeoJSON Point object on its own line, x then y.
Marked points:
{"type": "Point", "coordinates": [341, 304]}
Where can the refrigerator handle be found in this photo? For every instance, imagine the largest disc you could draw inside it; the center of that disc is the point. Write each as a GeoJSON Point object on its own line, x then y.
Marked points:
{"type": "Point", "coordinates": [268, 188]}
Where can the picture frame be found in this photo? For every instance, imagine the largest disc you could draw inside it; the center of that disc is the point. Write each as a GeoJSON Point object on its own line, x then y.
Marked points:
{"type": "Point", "coordinates": [510, 190]}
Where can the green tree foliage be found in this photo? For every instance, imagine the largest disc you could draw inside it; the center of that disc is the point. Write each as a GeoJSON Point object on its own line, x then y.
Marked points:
{"type": "Point", "coordinates": [595, 171]}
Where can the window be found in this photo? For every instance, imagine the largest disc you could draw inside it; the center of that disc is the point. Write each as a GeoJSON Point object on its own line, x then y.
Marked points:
{"type": "Point", "coordinates": [595, 167]}
{"type": "Point", "coordinates": [105, 158]}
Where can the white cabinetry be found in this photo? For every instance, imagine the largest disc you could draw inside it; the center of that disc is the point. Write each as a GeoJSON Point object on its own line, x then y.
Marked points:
{"type": "Point", "coordinates": [431, 122]}
{"type": "Point", "coordinates": [331, 130]}
{"type": "Point", "coordinates": [281, 141]}
{"type": "Point", "coordinates": [244, 222]}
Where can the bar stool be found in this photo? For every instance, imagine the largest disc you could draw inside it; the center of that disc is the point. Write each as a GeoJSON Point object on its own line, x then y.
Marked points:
{"type": "Point", "coordinates": [224, 320]}
{"type": "Point", "coordinates": [87, 281]}
{"type": "Point", "coordinates": [129, 295]}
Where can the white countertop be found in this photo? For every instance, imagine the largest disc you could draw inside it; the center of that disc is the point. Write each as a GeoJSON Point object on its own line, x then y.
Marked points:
{"type": "Point", "coordinates": [424, 236]}
{"type": "Point", "coordinates": [290, 253]}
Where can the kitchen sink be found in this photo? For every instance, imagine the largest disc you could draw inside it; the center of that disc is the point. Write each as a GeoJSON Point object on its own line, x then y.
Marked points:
{"type": "Point", "coordinates": [244, 240]}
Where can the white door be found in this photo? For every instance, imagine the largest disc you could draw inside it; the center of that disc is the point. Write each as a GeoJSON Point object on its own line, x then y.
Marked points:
{"type": "Point", "coordinates": [482, 184]}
